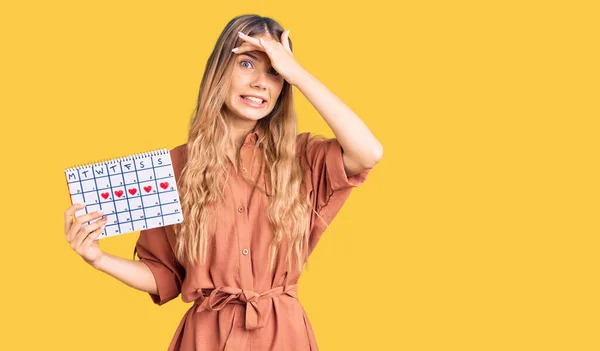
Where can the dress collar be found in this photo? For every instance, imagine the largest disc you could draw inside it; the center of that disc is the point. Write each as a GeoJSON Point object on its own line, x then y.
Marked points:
{"type": "Point", "coordinates": [254, 137]}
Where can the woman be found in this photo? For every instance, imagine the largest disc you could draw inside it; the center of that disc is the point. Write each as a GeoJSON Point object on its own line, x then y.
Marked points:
{"type": "Point", "coordinates": [256, 198]}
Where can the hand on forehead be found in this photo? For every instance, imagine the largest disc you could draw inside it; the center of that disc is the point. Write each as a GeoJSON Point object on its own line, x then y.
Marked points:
{"type": "Point", "coordinates": [257, 55]}
{"type": "Point", "coordinates": [255, 49]}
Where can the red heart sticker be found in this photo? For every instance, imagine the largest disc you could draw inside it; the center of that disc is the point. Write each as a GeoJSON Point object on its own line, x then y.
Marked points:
{"type": "Point", "coordinates": [105, 195]}
{"type": "Point", "coordinates": [164, 185]}
{"type": "Point", "coordinates": [119, 193]}
{"type": "Point", "coordinates": [148, 188]}
{"type": "Point", "coordinates": [132, 191]}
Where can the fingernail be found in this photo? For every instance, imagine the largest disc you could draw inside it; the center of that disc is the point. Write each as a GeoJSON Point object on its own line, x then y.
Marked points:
{"type": "Point", "coordinates": [235, 49]}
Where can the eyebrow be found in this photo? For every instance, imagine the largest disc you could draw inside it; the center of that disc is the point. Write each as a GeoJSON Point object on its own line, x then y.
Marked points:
{"type": "Point", "coordinates": [254, 57]}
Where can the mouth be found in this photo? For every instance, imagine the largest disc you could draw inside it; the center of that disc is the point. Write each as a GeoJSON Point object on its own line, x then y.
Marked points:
{"type": "Point", "coordinates": [253, 102]}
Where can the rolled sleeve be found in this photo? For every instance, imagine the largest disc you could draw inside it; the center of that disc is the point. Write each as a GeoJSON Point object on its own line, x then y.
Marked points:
{"type": "Point", "coordinates": [327, 181]}
{"type": "Point", "coordinates": [335, 169]}
{"type": "Point", "coordinates": [153, 248]}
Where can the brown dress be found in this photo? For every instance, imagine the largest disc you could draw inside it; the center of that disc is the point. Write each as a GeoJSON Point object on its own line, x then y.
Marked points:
{"type": "Point", "coordinates": [238, 304]}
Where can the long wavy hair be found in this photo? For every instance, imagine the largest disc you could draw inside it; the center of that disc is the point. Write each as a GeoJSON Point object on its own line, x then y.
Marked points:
{"type": "Point", "coordinates": [203, 177]}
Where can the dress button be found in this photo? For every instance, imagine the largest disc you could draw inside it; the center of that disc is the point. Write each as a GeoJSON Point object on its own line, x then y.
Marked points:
{"type": "Point", "coordinates": [241, 209]}
{"type": "Point", "coordinates": [245, 251]}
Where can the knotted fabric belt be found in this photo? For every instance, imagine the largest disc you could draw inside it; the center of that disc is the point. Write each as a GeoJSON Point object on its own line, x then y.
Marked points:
{"type": "Point", "coordinates": [255, 317]}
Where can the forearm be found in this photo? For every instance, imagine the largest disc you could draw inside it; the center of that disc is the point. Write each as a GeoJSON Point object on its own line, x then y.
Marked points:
{"type": "Point", "coordinates": [351, 132]}
{"type": "Point", "coordinates": [136, 274]}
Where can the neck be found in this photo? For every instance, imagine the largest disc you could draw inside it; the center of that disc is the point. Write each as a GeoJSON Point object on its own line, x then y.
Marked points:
{"type": "Point", "coordinates": [239, 131]}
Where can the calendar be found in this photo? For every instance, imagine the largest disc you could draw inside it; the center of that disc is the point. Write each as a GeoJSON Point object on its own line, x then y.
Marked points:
{"type": "Point", "coordinates": [136, 192]}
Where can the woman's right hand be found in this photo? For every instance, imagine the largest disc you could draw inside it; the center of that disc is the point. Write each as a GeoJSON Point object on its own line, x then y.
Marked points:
{"type": "Point", "coordinates": [84, 239]}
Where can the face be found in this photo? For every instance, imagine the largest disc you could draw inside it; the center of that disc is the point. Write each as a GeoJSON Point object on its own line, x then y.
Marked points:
{"type": "Point", "coordinates": [253, 76]}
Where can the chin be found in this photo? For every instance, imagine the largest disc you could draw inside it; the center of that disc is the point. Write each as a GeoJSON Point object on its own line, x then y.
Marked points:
{"type": "Point", "coordinates": [255, 117]}
{"type": "Point", "coordinates": [253, 114]}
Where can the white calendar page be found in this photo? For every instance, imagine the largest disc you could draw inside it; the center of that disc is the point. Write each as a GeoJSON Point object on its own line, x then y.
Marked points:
{"type": "Point", "coordinates": [135, 192]}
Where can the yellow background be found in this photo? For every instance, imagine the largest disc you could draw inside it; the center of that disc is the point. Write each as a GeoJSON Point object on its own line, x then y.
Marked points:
{"type": "Point", "coordinates": [477, 231]}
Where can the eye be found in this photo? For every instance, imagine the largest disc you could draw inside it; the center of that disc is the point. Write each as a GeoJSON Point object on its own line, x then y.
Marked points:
{"type": "Point", "coordinates": [242, 63]}
{"type": "Point", "coordinates": [271, 71]}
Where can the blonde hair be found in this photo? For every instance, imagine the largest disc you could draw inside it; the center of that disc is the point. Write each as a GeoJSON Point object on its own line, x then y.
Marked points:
{"type": "Point", "coordinates": [201, 180]}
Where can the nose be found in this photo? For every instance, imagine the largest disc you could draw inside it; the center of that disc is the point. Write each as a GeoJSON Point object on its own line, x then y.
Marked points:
{"type": "Point", "coordinates": [260, 79]}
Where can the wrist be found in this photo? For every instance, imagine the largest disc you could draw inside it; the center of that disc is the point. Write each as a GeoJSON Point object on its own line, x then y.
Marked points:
{"type": "Point", "coordinates": [296, 77]}
{"type": "Point", "coordinates": [97, 264]}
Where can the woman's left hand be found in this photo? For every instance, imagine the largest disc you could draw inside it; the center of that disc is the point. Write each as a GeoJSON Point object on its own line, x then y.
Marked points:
{"type": "Point", "coordinates": [280, 54]}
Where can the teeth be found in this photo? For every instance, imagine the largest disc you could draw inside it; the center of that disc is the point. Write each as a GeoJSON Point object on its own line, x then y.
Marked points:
{"type": "Point", "coordinates": [253, 99]}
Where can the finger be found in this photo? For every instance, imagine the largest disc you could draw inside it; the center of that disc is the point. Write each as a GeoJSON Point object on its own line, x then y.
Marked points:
{"type": "Point", "coordinates": [249, 39]}
{"type": "Point", "coordinates": [79, 222]}
{"type": "Point", "coordinates": [263, 43]}
{"type": "Point", "coordinates": [245, 47]}
{"type": "Point", "coordinates": [285, 40]}
{"type": "Point", "coordinates": [89, 240]}
{"type": "Point", "coordinates": [248, 47]}
{"type": "Point", "coordinates": [69, 215]}
{"type": "Point", "coordinates": [84, 232]}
